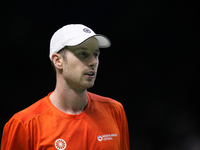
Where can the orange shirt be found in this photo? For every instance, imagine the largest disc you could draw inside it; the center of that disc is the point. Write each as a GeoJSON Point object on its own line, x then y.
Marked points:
{"type": "Point", "coordinates": [101, 126]}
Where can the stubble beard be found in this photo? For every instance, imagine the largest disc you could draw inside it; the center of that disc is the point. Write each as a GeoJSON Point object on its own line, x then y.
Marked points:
{"type": "Point", "coordinates": [78, 83]}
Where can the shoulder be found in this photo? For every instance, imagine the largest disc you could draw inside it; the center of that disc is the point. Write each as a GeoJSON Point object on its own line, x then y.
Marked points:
{"type": "Point", "coordinates": [102, 98]}
{"type": "Point", "coordinates": [33, 110]}
{"type": "Point", "coordinates": [106, 104]}
{"type": "Point", "coordinates": [105, 100]}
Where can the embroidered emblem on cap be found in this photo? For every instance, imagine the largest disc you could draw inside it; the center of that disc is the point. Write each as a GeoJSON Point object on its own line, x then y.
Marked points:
{"type": "Point", "coordinates": [60, 144]}
{"type": "Point", "coordinates": [86, 30]}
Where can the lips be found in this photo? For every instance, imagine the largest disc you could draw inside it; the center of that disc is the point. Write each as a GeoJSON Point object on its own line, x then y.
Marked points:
{"type": "Point", "coordinates": [91, 73]}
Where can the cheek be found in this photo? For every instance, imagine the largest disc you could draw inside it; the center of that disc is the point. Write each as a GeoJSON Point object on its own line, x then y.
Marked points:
{"type": "Point", "coordinates": [74, 67]}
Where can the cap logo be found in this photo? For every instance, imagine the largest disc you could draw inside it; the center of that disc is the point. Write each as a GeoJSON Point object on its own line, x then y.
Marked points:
{"type": "Point", "coordinates": [86, 30]}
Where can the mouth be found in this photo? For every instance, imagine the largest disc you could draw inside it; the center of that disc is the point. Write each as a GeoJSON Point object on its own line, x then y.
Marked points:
{"type": "Point", "coordinates": [90, 74]}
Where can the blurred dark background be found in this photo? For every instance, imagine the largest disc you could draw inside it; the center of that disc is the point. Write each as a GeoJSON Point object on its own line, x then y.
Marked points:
{"type": "Point", "coordinates": [152, 67]}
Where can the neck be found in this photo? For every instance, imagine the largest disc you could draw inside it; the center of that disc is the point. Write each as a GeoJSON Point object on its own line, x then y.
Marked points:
{"type": "Point", "coordinates": [69, 100]}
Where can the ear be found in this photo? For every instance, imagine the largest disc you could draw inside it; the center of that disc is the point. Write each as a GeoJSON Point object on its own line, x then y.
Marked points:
{"type": "Point", "coordinates": [57, 60]}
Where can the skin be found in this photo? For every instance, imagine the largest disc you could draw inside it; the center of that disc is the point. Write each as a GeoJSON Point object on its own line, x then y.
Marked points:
{"type": "Point", "coordinates": [72, 79]}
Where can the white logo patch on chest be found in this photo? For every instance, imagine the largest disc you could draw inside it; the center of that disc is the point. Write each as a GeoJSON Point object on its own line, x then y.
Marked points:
{"type": "Point", "coordinates": [106, 137]}
{"type": "Point", "coordinates": [60, 144]}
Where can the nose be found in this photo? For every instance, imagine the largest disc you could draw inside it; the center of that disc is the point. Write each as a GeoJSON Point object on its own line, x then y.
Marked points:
{"type": "Point", "coordinates": [93, 61]}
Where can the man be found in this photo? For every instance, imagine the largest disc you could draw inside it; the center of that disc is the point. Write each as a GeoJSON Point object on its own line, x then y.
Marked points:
{"type": "Point", "coordinates": [70, 117]}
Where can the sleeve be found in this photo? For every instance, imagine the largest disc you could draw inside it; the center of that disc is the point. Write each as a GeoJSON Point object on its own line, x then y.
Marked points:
{"type": "Point", "coordinates": [123, 124]}
{"type": "Point", "coordinates": [15, 136]}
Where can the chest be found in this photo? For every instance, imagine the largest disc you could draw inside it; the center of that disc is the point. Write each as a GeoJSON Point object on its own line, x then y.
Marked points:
{"type": "Point", "coordinates": [93, 132]}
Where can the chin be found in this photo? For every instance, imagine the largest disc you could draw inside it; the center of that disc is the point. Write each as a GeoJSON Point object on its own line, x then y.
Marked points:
{"type": "Point", "coordinates": [88, 86]}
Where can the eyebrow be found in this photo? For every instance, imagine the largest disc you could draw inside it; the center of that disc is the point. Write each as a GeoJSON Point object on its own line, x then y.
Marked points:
{"type": "Point", "coordinates": [83, 48]}
{"type": "Point", "coordinates": [97, 50]}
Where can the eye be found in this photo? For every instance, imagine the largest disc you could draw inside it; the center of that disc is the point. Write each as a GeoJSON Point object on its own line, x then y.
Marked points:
{"type": "Point", "coordinates": [83, 55]}
{"type": "Point", "coordinates": [96, 55]}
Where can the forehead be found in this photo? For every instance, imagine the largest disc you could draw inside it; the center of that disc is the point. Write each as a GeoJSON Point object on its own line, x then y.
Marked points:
{"type": "Point", "coordinates": [89, 44]}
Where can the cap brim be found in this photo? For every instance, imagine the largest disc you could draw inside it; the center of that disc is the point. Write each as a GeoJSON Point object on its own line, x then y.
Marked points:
{"type": "Point", "coordinates": [104, 42]}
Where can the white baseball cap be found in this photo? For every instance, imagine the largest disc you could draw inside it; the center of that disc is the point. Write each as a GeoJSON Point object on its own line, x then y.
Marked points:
{"type": "Point", "coordinates": [72, 35]}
